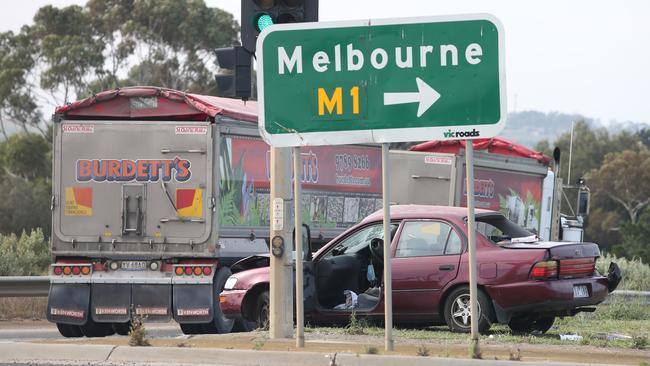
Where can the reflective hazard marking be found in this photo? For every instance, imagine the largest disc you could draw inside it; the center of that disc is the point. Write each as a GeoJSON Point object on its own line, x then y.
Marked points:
{"type": "Point", "coordinates": [189, 202]}
{"type": "Point", "coordinates": [78, 201]}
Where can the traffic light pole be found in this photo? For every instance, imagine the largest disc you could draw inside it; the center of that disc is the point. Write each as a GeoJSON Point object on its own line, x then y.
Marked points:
{"type": "Point", "coordinates": [281, 287]}
{"type": "Point", "coordinates": [471, 234]}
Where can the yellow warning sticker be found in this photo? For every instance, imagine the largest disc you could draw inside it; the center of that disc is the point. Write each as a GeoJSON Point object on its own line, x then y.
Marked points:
{"type": "Point", "coordinates": [78, 201]}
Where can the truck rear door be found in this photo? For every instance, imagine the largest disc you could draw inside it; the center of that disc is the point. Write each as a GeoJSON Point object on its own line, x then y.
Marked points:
{"type": "Point", "coordinates": [132, 182]}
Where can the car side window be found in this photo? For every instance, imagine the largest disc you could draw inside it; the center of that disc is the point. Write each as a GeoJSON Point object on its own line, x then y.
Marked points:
{"type": "Point", "coordinates": [359, 239]}
{"type": "Point", "coordinates": [427, 238]}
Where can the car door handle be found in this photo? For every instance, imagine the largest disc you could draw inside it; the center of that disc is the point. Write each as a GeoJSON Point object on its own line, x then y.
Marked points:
{"type": "Point", "coordinates": [447, 267]}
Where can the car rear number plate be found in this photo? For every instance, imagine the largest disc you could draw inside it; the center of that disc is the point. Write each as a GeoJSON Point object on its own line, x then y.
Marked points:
{"type": "Point", "coordinates": [580, 291]}
{"type": "Point", "coordinates": [134, 265]}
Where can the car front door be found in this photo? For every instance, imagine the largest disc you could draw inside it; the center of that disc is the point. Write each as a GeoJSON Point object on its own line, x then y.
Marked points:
{"type": "Point", "coordinates": [426, 259]}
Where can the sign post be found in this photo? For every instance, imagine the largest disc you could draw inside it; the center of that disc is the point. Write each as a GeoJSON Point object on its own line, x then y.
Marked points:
{"type": "Point", "coordinates": [300, 308]}
{"type": "Point", "coordinates": [471, 238]}
{"type": "Point", "coordinates": [382, 81]}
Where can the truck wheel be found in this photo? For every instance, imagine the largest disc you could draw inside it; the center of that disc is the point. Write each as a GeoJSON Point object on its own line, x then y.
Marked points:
{"type": "Point", "coordinates": [243, 325]}
{"type": "Point", "coordinates": [93, 329]}
{"type": "Point", "coordinates": [527, 325]}
{"type": "Point", "coordinates": [220, 324]}
{"type": "Point", "coordinates": [457, 311]}
{"type": "Point", "coordinates": [69, 330]}
{"type": "Point", "coordinates": [122, 328]}
{"type": "Point", "coordinates": [191, 329]}
{"type": "Point", "coordinates": [262, 311]}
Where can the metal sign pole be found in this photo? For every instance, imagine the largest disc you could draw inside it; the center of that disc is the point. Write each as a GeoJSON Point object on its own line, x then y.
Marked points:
{"type": "Point", "coordinates": [388, 277]}
{"type": "Point", "coordinates": [471, 231]}
{"type": "Point", "coordinates": [300, 315]}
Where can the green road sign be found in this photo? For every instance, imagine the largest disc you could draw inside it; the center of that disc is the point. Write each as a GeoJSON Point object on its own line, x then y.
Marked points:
{"type": "Point", "coordinates": [376, 81]}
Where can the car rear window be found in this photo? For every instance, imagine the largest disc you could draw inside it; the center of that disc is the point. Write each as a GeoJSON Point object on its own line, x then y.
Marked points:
{"type": "Point", "coordinates": [497, 228]}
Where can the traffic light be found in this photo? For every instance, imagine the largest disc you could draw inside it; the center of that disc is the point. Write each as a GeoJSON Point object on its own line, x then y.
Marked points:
{"type": "Point", "coordinates": [236, 81]}
{"type": "Point", "coordinates": [259, 14]}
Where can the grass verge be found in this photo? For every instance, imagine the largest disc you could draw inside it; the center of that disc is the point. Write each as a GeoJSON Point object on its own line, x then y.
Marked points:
{"type": "Point", "coordinates": [12, 308]}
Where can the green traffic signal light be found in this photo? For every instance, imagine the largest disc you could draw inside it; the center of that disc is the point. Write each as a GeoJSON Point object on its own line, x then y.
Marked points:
{"type": "Point", "coordinates": [263, 21]}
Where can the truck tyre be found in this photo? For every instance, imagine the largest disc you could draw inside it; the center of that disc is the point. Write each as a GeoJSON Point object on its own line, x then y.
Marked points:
{"type": "Point", "coordinates": [93, 329]}
{"type": "Point", "coordinates": [262, 311]}
{"type": "Point", "coordinates": [122, 328]}
{"type": "Point", "coordinates": [220, 324]}
{"type": "Point", "coordinates": [527, 325]}
{"type": "Point", "coordinates": [69, 330]}
{"type": "Point", "coordinates": [191, 329]}
{"type": "Point", "coordinates": [243, 325]}
{"type": "Point", "coordinates": [457, 311]}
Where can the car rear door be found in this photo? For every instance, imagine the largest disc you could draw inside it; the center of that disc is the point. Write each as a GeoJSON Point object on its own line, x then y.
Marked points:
{"type": "Point", "coordinates": [425, 260]}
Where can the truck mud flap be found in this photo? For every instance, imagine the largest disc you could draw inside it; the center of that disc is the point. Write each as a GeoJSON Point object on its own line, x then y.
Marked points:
{"type": "Point", "coordinates": [152, 302]}
{"type": "Point", "coordinates": [110, 303]}
{"type": "Point", "coordinates": [193, 303]}
{"type": "Point", "coordinates": [68, 303]}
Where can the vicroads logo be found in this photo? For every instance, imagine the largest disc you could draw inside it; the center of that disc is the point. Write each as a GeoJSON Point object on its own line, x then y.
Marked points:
{"type": "Point", "coordinates": [451, 134]}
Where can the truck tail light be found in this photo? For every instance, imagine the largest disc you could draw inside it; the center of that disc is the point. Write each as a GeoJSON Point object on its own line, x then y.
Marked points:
{"type": "Point", "coordinates": [85, 270]}
{"type": "Point", "coordinates": [198, 271]}
{"type": "Point", "coordinates": [188, 271]}
{"type": "Point", "coordinates": [67, 270]}
{"type": "Point", "coordinates": [76, 270]}
{"type": "Point", "coordinates": [207, 271]}
{"type": "Point", "coordinates": [544, 270]}
{"type": "Point", "coordinates": [179, 271]}
{"type": "Point", "coordinates": [58, 270]}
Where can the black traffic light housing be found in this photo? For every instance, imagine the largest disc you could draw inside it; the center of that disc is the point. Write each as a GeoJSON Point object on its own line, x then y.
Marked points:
{"type": "Point", "coordinates": [236, 81]}
{"type": "Point", "coordinates": [273, 12]}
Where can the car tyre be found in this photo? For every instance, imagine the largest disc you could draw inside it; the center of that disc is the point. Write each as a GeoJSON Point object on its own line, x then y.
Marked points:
{"type": "Point", "coordinates": [122, 328]}
{"type": "Point", "coordinates": [69, 330]}
{"type": "Point", "coordinates": [262, 311]}
{"type": "Point", "coordinates": [527, 325]}
{"type": "Point", "coordinates": [220, 324]}
{"type": "Point", "coordinates": [457, 311]}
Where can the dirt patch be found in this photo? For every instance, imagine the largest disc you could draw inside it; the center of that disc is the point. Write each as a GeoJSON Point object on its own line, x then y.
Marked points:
{"type": "Point", "coordinates": [13, 308]}
{"type": "Point", "coordinates": [363, 343]}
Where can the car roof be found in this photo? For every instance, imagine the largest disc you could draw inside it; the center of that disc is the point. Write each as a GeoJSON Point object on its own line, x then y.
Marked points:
{"type": "Point", "coordinates": [400, 212]}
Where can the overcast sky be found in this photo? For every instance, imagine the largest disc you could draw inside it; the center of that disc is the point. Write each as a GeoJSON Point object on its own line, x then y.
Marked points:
{"type": "Point", "coordinates": [590, 57]}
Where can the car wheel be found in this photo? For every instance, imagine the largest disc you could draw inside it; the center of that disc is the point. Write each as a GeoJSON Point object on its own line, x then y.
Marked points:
{"type": "Point", "coordinates": [262, 311]}
{"type": "Point", "coordinates": [93, 329]}
{"type": "Point", "coordinates": [69, 330]}
{"type": "Point", "coordinates": [122, 328]}
{"type": "Point", "coordinates": [191, 329]}
{"type": "Point", "coordinates": [220, 324]}
{"type": "Point", "coordinates": [526, 325]}
{"type": "Point", "coordinates": [458, 315]}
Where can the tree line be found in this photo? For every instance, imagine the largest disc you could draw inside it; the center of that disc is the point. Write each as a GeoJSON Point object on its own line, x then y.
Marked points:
{"type": "Point", "coordinates": [71, 52]}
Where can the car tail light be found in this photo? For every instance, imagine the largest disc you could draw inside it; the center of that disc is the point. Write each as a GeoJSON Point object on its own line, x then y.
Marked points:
{"type": "Point", "coordinates": [207, 271]}
{"type": "Point", "coordinates": [581, 267]}
{"type": "Point", "coordinates": [58, 270]}
{"type": "Point", "coordinates": [544, 270]}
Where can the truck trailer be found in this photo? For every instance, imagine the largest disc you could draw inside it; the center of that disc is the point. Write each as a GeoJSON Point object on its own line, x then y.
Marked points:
{"type": "Point", "coordinates": [157, 192]}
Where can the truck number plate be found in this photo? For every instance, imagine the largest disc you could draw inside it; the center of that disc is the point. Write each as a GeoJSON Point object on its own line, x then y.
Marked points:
{"type": "Point", "coordinates": [134, 265]}
{"type": "Point", "coordinates": [580, 291]}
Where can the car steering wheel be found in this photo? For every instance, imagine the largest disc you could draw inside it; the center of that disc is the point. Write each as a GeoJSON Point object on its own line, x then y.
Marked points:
{"type": "Point", "coordinates": [377, 249]}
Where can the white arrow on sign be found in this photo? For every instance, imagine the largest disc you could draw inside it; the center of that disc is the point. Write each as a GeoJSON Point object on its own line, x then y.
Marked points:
{"type": "Point", "coordinates": [425, 96]}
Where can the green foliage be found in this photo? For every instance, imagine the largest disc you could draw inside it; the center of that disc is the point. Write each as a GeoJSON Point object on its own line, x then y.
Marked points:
{"type": "Point", "coordinates": [636, 239]}
{"type": "Point", "coordinates": [640, 342]}
{"type": "Point", "coordinates": [356, 326]}
{"type": "Point", "coordinates": [27, 255]}
{"type": "Point", "coordinates": [138, 334]}
{"type": "Point", "coordinates": [423, 351]}
{"type": "Point", "coordinates": [371, 350]}
{"type": "Point", "coordinates": [636, 274]}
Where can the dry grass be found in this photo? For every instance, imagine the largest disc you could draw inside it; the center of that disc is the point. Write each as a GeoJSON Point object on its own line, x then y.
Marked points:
{"type": "Point", "coordinates": [12, 308]}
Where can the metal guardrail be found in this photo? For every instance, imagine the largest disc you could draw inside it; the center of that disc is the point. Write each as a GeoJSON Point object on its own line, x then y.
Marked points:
{"type": "Point", "coordinates": [39, 286]}
{"type": "Point", "coordinates": [24, 286]}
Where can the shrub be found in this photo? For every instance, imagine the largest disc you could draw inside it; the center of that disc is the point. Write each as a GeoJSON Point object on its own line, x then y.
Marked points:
{"type": "Point", "coordinates": [28, 255]}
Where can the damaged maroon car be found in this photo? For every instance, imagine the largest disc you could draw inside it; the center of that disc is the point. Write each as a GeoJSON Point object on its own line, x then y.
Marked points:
{"type": "Point", "coordinates": [523, 282]}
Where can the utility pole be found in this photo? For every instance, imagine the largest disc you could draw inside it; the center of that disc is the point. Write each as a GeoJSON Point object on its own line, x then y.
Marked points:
{"type": "Point", "coordinates": [281, 290]}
